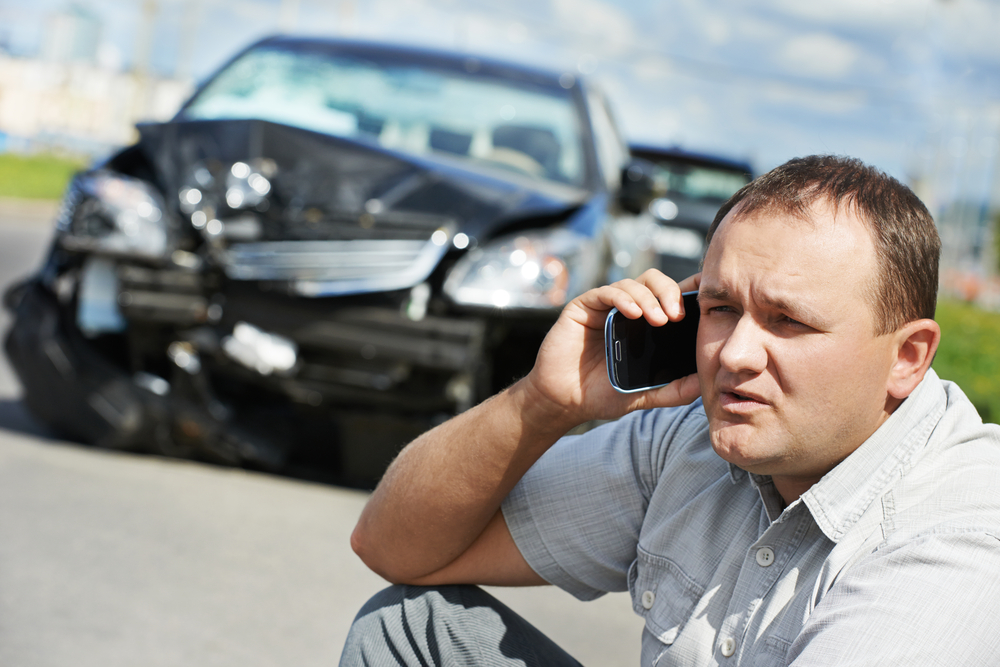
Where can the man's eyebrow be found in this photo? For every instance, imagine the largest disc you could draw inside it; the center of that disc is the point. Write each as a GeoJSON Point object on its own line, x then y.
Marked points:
{"type": "Point", "coordinates": [795, 310]}
{"type": "Point", "coordinates": [713, 293]}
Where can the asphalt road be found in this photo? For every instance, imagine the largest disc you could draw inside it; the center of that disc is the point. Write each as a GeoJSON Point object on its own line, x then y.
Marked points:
{"type": "Point", "coordinates": [110, 559]}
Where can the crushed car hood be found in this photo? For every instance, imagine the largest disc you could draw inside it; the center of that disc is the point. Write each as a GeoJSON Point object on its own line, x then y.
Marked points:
{"type": "Point", "coordinates": [326, 187]}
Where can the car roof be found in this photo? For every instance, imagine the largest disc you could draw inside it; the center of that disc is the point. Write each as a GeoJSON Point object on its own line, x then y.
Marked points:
{"type": "Point", "coordinates": [690, 157]}
{"type": "Point", "coordinates": [410, 54]}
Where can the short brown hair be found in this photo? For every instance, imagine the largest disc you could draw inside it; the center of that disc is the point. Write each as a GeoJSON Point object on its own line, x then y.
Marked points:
{"type": "Point", "coordinates": [907, 246]}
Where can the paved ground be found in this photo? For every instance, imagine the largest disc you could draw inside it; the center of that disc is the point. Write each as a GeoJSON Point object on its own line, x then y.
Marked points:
{"type": "Point", "coordinates": [110, 559]}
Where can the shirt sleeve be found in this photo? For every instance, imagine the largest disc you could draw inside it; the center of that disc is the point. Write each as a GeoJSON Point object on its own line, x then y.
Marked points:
{"type": "Point", "coordinates": [934, 600]}
{"type": "Point", "coordinates": [577, 513]}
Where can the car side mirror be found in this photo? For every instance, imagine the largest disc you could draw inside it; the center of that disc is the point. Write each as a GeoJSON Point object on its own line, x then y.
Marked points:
{"type": "Point", "coordinates": [639, 185]}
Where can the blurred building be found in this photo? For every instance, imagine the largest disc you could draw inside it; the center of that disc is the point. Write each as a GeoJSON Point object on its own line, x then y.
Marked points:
{"type": "Point", "coordinates": [78, 107]}
{"type": "Point", "coordinates": [74, 98]}
{"type": "Point", "coordinates": [961, 186]}
{"type": "Point", "coordinates": [71, 35]}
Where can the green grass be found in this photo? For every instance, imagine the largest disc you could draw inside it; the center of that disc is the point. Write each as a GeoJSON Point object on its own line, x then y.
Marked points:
{"type": "Point", "coordinates": [36, 176]}
{"type": "Point", "coordinates": [970, 354]}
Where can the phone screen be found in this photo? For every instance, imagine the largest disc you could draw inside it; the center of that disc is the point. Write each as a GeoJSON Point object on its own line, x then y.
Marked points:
{"type": "Point", "coordinates": [641, 356]}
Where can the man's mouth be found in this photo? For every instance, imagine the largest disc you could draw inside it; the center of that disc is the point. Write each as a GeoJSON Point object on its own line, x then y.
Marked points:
{"type": "Point", "coordinates": [736, 401]}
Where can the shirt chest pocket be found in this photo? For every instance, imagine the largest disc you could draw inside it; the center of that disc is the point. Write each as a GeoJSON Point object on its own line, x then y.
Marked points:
{"type": "Point", "coordinates": [662, 594]}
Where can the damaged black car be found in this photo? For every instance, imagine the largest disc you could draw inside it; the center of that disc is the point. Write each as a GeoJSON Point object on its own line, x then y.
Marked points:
{"type": "Point", "coordinates": [332, 246]}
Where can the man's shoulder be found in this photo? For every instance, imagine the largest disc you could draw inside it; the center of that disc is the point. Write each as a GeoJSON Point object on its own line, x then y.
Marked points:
{"type": "Point", "coordinates": [674, 445]}
{"type": "Point", "coordinates": [951, 484]}
{"type": "Point", "coordinates": [670, 428]}
{"type": "Point", "coordinates": [961, 438]}
{"type": "Point", "coordinates": [683, 420]}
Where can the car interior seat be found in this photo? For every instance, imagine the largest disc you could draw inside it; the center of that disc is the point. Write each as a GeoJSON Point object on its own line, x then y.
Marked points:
{"type": "Point", "coordinates": [538, 143]}
{"type": "Point", "coordinates": [450, 142]}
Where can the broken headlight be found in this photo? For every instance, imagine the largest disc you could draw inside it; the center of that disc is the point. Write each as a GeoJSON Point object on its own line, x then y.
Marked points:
{"type": "Point", "coordinates": [114, 214]}
{"type": "Point", "coordinates": [541, 269]}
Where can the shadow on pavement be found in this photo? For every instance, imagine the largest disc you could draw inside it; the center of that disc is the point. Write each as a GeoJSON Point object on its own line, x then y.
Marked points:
{"type": "Point", "coordinates": [15, 417]}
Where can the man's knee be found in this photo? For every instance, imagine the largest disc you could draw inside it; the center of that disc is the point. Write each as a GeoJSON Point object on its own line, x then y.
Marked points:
{"type": "Point", "coordinates": [455, 625]}
{"type": "Point", "coordinates": [427, 598]}
{"type": "Point", "coordinates": [415, 625]}
{"type": "Point", "coordinates": [387, 597]}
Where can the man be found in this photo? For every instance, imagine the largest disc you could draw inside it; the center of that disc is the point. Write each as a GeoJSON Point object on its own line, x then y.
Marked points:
{"type": "Point", "coordinates": [816, 495]}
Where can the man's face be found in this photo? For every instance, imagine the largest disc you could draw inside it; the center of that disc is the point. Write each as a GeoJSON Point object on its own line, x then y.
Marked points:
{"type": "Point", "coordinates": [792, 376]}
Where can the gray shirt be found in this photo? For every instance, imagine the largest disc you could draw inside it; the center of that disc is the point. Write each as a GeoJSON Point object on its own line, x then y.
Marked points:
{"type": "Point", "coordinates": [892, 558]}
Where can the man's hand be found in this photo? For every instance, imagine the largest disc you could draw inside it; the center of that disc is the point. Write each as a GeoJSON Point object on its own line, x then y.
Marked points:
{"type": "Point", "coordinates": [570, 374]}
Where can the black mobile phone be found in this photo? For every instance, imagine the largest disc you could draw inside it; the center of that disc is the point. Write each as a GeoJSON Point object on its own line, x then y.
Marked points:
{"type": "Point", "coordinates": [641, 356]}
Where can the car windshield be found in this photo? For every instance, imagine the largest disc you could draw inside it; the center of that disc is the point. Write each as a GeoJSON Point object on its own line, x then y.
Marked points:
{"type": "Point", "coordinates": [405, 107]}
{"type": "Point", "coordinates": [700, 182]}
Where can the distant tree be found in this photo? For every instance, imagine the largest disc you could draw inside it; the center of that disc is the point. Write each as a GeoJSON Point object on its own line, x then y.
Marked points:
{"type": "Point", "coordinates": [996, 240]}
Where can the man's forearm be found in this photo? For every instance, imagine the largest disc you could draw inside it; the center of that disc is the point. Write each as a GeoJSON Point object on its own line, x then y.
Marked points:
{"type": "Point", "coordinates": [444, 488]}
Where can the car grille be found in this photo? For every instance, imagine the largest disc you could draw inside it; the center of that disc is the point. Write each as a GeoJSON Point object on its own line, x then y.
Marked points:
{"type": "Point", "coordinates": [325, 268]}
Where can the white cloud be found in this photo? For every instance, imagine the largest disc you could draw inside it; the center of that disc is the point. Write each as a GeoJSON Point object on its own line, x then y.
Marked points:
{"type": "Point", "coordinates": [663, 126]}
{"type": "Point", "coordinates": [827, 103]}
{"type": "Point", "coordinates": [652, 68]}
{"type": "Point", "coordinates": [606, 29]}
{"type": "Point", "coordinates": [753, 28]}
{"type": "Point", "coordinates": [696, 106]}
{"type": "Point", "coordinates": [717, 29]}
{"type": "Point", "coordinates": [818, 54]}
{"type": "Point", "coordinates": [862, 14]}
{"type": "Point", "coordinates": [971, 29]}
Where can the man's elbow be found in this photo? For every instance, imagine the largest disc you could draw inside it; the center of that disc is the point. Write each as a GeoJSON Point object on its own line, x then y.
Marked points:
{"type": "Point", "coordinates": [367, 548]}
{"type": "Point", "coordinates": [362, 544]}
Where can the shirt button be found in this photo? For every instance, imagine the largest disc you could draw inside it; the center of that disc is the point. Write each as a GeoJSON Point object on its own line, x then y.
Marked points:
{"type": "Point", "coordinates": [765, 556]}
{"type": "Point", "coordinates": [728, 647]}
{"type": "Point", "coordinates": [648, 598]}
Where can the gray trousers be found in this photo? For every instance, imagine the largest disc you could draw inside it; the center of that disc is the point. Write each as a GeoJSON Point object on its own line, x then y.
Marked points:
{"type": "Point", "coordinates": [446, 625]}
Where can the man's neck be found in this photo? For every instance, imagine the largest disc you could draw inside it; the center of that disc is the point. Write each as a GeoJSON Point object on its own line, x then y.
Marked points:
{"type": "Point", "coordinates": [790, 488]}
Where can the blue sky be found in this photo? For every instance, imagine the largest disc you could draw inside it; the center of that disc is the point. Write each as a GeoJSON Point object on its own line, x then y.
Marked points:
{"type": "Point", "coordinates": [912, 86]}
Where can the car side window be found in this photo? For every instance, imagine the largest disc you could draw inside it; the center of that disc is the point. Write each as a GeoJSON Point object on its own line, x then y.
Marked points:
{"type": "Point", "coordinates": [612, 153]}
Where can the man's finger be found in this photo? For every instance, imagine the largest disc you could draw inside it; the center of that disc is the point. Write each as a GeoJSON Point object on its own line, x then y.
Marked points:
{"type": "Point", "coordinates": [667, 292]}
{"type": "Point", "coordinates": [691, 283]}
{"type": "Point", "coordinates": [681, 391]}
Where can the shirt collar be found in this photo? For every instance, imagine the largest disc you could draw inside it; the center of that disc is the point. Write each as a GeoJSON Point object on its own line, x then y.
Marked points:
{"type": "Point", "coordinates": [841, 496]}
{"type": "Point", "coordinates": [773, 503]}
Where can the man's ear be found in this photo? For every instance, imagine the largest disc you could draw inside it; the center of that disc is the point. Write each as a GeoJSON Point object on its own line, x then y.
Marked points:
{"type": "Point", "coordinates": [914, 347]}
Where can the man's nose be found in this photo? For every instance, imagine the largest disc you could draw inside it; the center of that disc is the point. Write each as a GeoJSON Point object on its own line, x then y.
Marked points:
{"type": "Point", "coordinates": [745, 348]}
